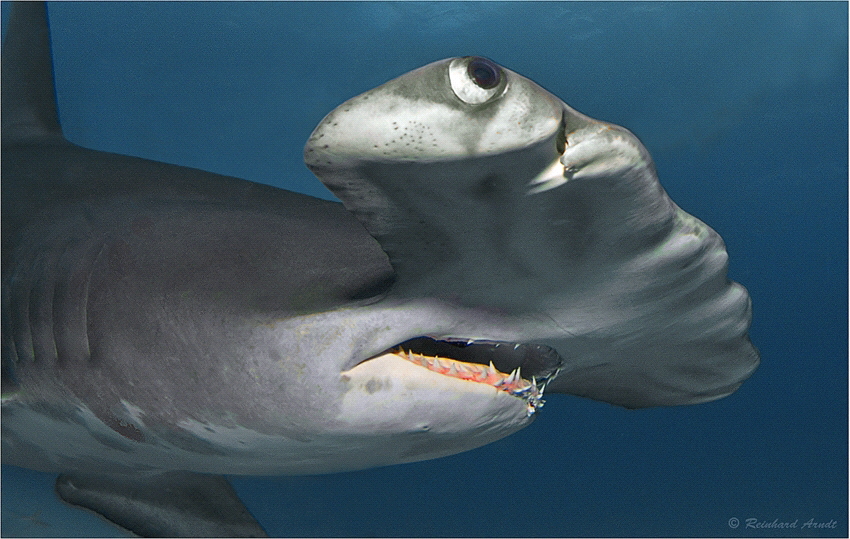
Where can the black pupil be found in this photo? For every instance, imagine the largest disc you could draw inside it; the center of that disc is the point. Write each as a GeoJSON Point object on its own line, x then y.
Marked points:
{"type": "Point", "coordinates": [484, 72]}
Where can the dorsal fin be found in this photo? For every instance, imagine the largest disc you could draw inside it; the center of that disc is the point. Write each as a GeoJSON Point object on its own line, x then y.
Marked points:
{"type": "Point", "coordinates": [28, 93]}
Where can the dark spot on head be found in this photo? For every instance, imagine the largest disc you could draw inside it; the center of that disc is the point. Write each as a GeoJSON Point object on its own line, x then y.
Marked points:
{"type": "Point", "coordinates": [124, 428]}
{"type": "Point", "coordinates": [373, 386]}
{"type": "Point", "coordinates": [488, 188]}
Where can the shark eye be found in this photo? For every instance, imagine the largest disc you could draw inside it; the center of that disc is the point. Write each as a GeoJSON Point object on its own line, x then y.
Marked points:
{"type": "Point", "coordinates": [484, 73]}
{"type": "Point", "coordinates": [476, 80]}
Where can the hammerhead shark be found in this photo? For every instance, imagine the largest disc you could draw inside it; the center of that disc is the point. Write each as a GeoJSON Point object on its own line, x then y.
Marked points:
{"type": "Point", "coordinates": [163, 326]}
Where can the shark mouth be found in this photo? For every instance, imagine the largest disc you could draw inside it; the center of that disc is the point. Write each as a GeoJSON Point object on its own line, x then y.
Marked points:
{"type": "Point", "coordinates": [521, 370]}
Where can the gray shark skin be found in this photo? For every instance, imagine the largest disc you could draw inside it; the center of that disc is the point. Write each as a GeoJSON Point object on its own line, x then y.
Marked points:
{"type": "Point", "coordinates": [164, 325]}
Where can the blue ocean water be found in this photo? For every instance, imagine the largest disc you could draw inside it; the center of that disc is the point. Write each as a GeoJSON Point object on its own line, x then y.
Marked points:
{"type": "Point", "coordinates": [744, 109]}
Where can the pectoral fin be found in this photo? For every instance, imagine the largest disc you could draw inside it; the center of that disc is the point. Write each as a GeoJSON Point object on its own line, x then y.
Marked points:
{"type": "Point", "coordinates": [177, 504]}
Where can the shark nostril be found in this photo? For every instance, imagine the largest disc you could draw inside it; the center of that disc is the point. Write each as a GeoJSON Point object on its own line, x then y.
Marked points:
{"type": "Point", "coordinates": [561, 137]}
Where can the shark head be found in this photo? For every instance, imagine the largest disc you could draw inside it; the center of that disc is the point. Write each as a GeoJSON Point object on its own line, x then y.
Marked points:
{"type": "Point", "coordinates": [529, 222]}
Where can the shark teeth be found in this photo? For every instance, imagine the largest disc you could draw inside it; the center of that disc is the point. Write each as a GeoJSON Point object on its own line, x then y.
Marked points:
{"type": "Point", "coordinates": [513, 383]}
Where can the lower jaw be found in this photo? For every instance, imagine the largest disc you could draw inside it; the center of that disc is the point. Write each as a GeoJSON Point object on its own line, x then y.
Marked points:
{"type": "Point", "coordinates": [389, 395]}
{"type": "Point", "coordinates": [519, 370]}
